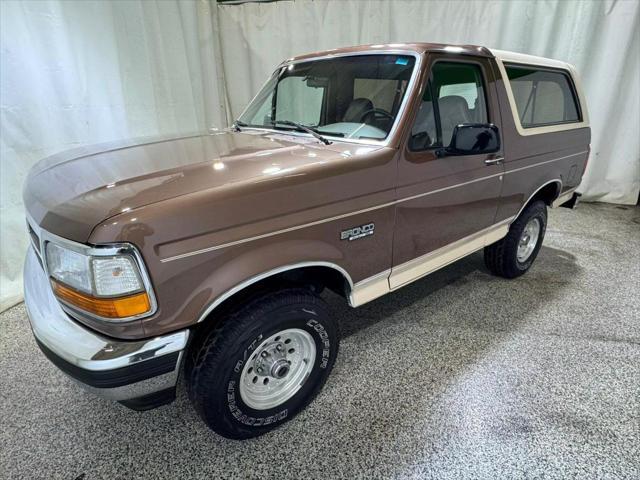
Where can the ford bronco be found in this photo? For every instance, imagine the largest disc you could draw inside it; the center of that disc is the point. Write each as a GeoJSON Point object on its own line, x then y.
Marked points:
{"type": "Point", "coordinates": [357, 170]}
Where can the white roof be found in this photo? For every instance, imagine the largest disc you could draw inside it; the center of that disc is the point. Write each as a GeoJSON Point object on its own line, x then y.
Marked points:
{"type": "Point", "coordinates": [515, 57]}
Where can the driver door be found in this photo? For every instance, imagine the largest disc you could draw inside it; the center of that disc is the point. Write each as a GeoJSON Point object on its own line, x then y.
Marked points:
{"type": "Point", "coordinates": [447, 204]}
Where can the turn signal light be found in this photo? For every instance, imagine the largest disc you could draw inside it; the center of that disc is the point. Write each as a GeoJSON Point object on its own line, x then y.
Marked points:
{"type": "Point", "coordinates": [120, 307]}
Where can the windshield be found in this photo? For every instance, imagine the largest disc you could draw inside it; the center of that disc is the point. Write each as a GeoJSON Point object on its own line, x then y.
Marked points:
{"type": "Point", "coordinates": [355, 97]}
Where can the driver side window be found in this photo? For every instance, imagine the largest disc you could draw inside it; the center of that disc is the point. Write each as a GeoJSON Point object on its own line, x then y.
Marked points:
{"type": "Point", "coordinates": [457, 90]}
{"type": "Point", "coordinates": [424, 132]}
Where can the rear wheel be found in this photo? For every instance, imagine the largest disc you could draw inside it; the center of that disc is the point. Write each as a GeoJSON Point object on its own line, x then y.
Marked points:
{"type": "Point", "coordinates": [513, 255]}
{"type": "Point", "coordinates": [264, 364]}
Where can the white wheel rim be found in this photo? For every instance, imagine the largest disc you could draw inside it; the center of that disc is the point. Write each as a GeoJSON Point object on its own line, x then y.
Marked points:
{"type": "Point", "coordinates": [528, 240]}
{"type": "Point", "coordinates": [277, 369]}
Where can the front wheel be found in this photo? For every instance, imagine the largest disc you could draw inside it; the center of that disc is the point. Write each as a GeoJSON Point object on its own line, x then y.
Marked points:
{"type": "Point", "coordinates": [264, 364]}
{"type": "Point", "coordinates": [513, 255]}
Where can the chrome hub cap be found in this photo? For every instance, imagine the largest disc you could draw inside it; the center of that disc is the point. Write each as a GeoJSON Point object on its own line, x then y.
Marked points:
{"type": "Point", "coordinates": [528, 240]}
{"type": "Point", "coordinates": [278, 368]}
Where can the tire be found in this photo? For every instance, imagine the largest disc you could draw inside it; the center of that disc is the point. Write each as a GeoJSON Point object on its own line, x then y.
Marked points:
{"type": "Point", "coordinates": [220, 380]}
{"type": "Point", "coordinates": [501, 258]}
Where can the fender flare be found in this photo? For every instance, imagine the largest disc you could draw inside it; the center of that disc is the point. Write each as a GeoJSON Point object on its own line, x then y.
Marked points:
{"type": "Point", "coordinates": [524, 205]}
{"type": "Point", "coordinates": [270, 273]}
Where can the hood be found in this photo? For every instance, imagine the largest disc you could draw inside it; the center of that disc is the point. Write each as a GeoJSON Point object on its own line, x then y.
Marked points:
{"type": "Point", "coordinates": [68, 194]}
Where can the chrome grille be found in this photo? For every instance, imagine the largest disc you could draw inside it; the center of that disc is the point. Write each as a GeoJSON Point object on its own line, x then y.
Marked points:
{"type": "Point", "coordinates": [35, 241]}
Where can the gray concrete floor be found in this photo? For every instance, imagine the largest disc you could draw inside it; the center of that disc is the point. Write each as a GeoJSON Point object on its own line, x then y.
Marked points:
{"type": "Point", "coordinates": [458, 375]}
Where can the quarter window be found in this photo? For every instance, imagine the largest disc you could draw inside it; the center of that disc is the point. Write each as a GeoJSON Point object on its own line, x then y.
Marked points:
{"type": "Point", "coordinates": [459, 98]}
{"type": "Point", "coordinates": [542, 97]}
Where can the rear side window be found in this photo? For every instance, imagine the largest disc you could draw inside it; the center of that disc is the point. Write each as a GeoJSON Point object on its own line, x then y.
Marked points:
{"type": "Point", "coordinates": [543, 97]}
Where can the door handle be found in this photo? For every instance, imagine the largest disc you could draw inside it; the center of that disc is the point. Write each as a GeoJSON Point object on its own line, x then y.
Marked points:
{"type": "Point", "coordinates": [494, 161]}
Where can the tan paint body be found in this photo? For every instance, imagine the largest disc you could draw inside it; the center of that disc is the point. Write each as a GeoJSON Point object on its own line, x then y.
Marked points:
{"type": "Point", "coordinates": [211, 211]}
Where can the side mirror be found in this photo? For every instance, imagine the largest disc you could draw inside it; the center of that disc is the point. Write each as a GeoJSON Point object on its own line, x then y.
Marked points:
{"type": "Point", "coordinates": [474, 139]}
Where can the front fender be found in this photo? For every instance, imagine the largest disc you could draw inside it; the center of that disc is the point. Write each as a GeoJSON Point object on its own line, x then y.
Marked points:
{"type": "Point", "coordinates": [258, 264]}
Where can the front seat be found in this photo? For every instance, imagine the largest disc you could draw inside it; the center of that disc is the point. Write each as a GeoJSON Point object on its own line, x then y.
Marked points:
{"type": "Point", "coordinates": [356, 109]}
{"type": "Point", "coordinates": [454, 110]}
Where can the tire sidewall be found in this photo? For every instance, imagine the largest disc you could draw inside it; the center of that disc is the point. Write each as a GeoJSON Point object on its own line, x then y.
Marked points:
{"type": "Point", "coordinates": [535, 211]}
{"type": "Point", "coordinates": [224, 396]}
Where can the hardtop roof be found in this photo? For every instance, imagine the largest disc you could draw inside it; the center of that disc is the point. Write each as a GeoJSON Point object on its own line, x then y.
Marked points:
{"type": "Point", "coordinates": [422, 47]}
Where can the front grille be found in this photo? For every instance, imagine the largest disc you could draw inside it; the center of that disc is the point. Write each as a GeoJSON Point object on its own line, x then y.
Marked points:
{"type": "Point", "coordinates": [35, 241]}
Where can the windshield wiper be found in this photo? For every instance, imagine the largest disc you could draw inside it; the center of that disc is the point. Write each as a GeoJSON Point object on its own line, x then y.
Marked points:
{"type": "Point", "coordinates": [237, 124]}
{"type": "Point", "coordinates": [304, 128]}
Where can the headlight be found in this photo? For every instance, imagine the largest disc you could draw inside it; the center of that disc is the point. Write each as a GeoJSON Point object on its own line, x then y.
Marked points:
{"type": "Point", "coordinates": [107, 283]}
{"type": "Point", "coordinates": [69, 267]}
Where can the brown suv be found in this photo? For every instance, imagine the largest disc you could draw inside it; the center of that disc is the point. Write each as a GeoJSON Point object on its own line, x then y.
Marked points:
{"type": "Point", "coordinates": [359, 170]}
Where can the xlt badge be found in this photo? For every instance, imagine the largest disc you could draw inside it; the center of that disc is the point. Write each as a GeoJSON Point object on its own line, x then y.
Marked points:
{"type": "Point", "coordinates": [357, 232]}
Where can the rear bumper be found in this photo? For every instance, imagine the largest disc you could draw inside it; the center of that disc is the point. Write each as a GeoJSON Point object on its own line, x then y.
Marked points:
{"type": "Point", "coordinates": [140, 374]}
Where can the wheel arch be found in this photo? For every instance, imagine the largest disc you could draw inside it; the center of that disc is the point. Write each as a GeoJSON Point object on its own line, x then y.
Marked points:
{"type": "Point", "coordinates": [296, 274]}
{"type": "Point", "coordinates": [313, 273]}
{"type": "Point", "coordinates": [547, 192]}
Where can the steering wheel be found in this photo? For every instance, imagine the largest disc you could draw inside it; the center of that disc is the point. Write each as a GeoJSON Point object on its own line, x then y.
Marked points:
{"type": "Point", "coordinates": [376, 112]}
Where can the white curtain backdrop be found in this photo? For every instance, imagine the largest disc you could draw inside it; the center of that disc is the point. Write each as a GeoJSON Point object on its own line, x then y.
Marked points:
{"type": "Point", "coordinates": [79, 72]}
{"type": "Point", "coordinates": [82, 72]}
{"type": "Point", "coordinates": [602, 38]}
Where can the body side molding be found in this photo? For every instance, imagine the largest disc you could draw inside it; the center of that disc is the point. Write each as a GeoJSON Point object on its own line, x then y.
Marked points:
{"type": "Point", "coordinates": [370, 288]}
{"type": "Point", "coordinates": [432, 261]}
{"type": "Point", "coordinates": [564, 197]}
{"type": "Point", "coordinates": [401, 275]}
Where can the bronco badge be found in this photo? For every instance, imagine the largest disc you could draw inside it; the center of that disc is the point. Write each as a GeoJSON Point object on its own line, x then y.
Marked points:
{"type": "Point", "coordinates": [357, 232]}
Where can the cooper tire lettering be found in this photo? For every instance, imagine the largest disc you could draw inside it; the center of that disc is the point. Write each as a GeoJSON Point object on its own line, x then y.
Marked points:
{"type": "Point", "coordinates": [324, 338]}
